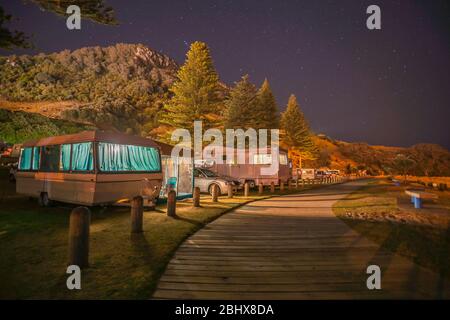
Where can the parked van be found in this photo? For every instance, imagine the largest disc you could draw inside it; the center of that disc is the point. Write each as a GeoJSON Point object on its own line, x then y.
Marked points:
{"type": "Point", "coordinates": [89, 168]}
{"type": "Point", "coordinates": [307, 174]}
{"type": "Point", "coordinates": [334, 172]}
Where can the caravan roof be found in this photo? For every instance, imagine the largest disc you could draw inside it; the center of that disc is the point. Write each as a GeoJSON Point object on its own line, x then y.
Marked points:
{"type": "Point", "coordinates": [93, 136]}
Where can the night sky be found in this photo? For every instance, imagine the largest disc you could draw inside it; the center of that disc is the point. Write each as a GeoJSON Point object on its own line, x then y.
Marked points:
{"type": "Point", "coordinates": [388, 86]}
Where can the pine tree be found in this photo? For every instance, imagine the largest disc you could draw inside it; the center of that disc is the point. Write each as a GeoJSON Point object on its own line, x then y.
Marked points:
{"type": "Point", "coordinates": [240, 105]}
{"type": "Point", "coordinates": [266, 112]}
{"type": "Point", "coordinates": [195, 93]}
{"type": "Point", "coordinates": [295, 132]}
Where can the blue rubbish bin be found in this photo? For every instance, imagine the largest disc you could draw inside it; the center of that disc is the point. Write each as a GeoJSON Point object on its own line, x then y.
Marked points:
{"type": "Point", "coordinates": [417, 203]}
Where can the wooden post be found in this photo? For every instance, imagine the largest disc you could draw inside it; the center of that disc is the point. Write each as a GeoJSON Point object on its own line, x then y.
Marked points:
{"type": "Point", "coordinates": [80, 220]}
{"type": "Point", "coordinates": [196, 197]}
{"type": "Point", "coordinates": [172, 203]}
{"type": "Point", "coordinates": [272, 187]}
{"type": "Point", "coordinates": [281, 186]}
{"type": "Point", "coordinates": [230, 190]}
{"type": "Point", "coordinates": [246, 189]}
{"type": "Point", "coordinates": [137, 210]}
{"type": "Point", "coordinates": [215, 193]}
{"type": "Point", "coordinates": [260, 188]}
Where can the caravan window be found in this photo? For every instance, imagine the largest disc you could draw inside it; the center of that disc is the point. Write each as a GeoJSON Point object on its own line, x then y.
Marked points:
{"type": "Point", "coordinates": [262, 158]}
{"type": "Point", "coordinates": [25, 158]}
{"type": "Point", "coordinates": [50, 158]}
{"type": "Point", "coordinates": [127, 158]}
{"type": "Point", "coordinates": [36, 158]}
{"type": "Point", "coordinates": [283, 159]}
{"type": "Point", "coordinates": [64, 163]}
{"type": "Point", "coordinates": [82, 157]}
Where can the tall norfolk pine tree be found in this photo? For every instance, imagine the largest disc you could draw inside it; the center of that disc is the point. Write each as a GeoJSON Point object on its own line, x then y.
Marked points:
{"type": "Point", "coordinates": [295, 132]}
{"type": "Point", "coordinates": [248, 107]}
{"type": "Point", "coordinates": [195, 93]}
{"type": "Point", "coordinates": [266, 111]}
{"type": "Point", "coordinates": [240, 105]}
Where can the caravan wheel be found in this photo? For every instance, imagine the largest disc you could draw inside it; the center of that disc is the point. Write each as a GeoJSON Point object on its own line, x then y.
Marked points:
{"type": "Point", "coordinates": [251, 184]}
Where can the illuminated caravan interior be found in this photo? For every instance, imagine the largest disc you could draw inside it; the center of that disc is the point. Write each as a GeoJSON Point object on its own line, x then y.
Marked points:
{"type": "Point", "coordinates": [178, 173]}
{"type": "Point", "coordinates": [90, 168]}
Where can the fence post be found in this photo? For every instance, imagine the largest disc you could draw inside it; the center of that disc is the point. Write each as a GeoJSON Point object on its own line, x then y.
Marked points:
{"type": "Point", "coordinates": [137, 209]}
{"type": "Point", "coordinates": [246, 189]}
{"type": "Point", "coordinates": [260, 188]}
{"type": "Point", "coordinates": [196, 197]}
{"type": "Point", "coordinates": [80, 220]}
{"type": "Point", "coordinates": [215, 193]}
{"type": "Point", "coordinates": [172, 203]}
{"type": "Point", "coordinates": [281, 186]}
{"type": "Point", "coordinates": [272, 187]}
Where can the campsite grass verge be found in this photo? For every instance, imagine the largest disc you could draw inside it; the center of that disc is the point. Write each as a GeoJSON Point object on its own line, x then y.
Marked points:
{"type": "Point", "coordinates": [383, 213]}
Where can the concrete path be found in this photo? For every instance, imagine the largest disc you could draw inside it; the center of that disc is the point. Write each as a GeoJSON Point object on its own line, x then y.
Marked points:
{"type": "Point", "coordinates": [290, 247]}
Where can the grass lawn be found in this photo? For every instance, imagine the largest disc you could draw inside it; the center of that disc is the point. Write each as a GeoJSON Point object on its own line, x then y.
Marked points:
{"type": "Point", "coordinates": [33, 247]}
{"type": "Point", "coordinates": [382, 212]}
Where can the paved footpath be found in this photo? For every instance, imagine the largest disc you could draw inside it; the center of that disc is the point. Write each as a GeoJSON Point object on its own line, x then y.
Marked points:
{"type": "Point", "coordinates": [290, 247]}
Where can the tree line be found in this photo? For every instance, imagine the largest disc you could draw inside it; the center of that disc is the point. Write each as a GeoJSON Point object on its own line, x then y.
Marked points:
{"type": "Point", "coordinates": [197, 94]}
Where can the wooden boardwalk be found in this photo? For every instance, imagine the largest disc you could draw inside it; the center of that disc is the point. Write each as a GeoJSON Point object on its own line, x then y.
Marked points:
{"type": "Point", "coordinates": [290, 247]}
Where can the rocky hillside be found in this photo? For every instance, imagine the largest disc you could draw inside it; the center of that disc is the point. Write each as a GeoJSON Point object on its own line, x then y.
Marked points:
{"type": "Point", "coordinates": [118, 87]}
{"type": "Point", "coordinates": [428, 159]}
{"type": "Point", "coordinates": [19, 126]}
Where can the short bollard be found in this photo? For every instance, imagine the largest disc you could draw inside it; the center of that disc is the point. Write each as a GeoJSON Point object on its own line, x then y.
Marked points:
{"type": "Point", "coordinates": [303, 183]}
{"type": "Point", "coordinates": [172, 203]}
{"type": "Point", "coordinates": [196, 197]}
{"type": "Point", "coordinates": [137, 210]}
{"type": "Point", "coordinates": [214, 193]}
{"type": "Point", "coordinates": [246, 189]}
{"type": "Point", "coordinates": [230, 190]}
{"type": "Point", "coordinates": [281, 186]}
{"type": "Point", "coordinates": [260, 188]}
{"type": "Point", "coordinates": [80, 220]}
{"type": "Point", "coordinates": [272, 187]}
{"type": "Point", "coordinates": [296, 183]}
